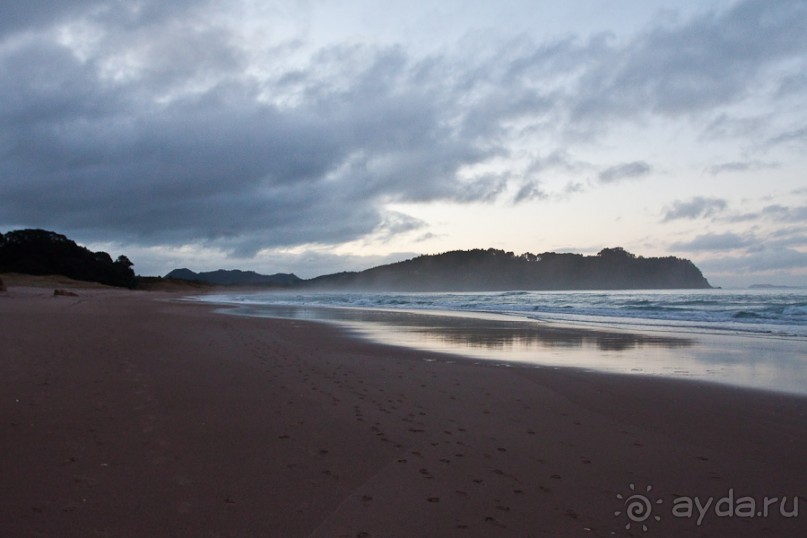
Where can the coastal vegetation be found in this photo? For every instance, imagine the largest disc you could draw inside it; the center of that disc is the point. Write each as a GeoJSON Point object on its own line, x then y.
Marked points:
{"type": "Point", "coordinates": [234, 277]}
{"type": "Point", "coordinates": [41, 252]}
{"type": "Point", "coordinates": [497, 270]}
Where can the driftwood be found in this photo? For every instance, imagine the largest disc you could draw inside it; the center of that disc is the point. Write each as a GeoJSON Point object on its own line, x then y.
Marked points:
{"type": "Point", "coordinates": [65, 293]}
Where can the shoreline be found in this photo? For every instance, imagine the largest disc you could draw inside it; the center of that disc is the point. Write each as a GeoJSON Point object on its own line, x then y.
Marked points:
{"type": "Point", "coordinates": [130, 413]}
{"type": "Point", "coordinates": [766, 363]}
{"type": "Point", "coordinates": [741, 305]}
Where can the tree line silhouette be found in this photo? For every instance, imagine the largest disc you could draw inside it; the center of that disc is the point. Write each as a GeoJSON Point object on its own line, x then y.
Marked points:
{"type": "Point", "coordinates": [41, 252]}
{"type": "Point", "coordinates": [497, 270]}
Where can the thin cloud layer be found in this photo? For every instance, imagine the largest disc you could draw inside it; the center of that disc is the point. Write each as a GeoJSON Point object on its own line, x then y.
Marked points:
{"type": "Point", "coordinates": [716, 242]}
{"type": "Point", "coordinates": [695, 208]}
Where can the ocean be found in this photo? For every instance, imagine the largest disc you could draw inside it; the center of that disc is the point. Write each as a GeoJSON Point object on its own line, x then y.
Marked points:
{"type": "Point", "coordinates": [761, 312]}
{"type": "Point", "coordinates": [752, 338]}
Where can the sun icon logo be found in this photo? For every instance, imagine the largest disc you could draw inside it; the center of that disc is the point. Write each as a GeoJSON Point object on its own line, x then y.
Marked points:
{"type": "Point", "coordinates": [638, 507]}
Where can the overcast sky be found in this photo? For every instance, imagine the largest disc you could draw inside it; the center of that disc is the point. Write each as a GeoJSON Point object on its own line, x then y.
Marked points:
{"type": "Point", "coordinates": [318, 136]}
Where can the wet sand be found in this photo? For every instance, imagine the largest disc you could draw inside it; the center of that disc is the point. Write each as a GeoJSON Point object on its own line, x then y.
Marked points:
{"type": "Point", "coordinates": [131, 414]}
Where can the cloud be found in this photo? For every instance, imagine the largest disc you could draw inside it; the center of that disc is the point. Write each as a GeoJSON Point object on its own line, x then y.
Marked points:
{"type": "Point", "coordinates": [775, 213]}
{"type": "Point", "coordinates": [726, 126]}
{"type": "Point", "coordinates": [395, 223]}
{"type": "Point", "coordinates": [530, 190]}
{"type": "Point", "coordinates": [767, 261]}
{"type": "Point", "coordinates": [785, 213]}
{"type": "Point", "coordinates": [698, 207]}
{"type": "Point", "coordinates": [740, 166]}
{"type": "Point", "coordinates": [222, 165]}
{"type": "Point", "coordinates": [742, 259]}
{"type": "Point", "coordinates": [558, 160]}
{"type": "Point", "coordinates": [20, 16]}
{"type": "Point", "coordinates": [631, 170]}
{"type": "Point", "coordinates": [307, 262]}
{"type": "Point", "coordinates": [715, 242]}
{"type": "Point", "coordinates": [165, 123]}
{"type": "Point", "coordinates": [695, 66]}
{"type": "Point", "coordinates": [798, 135]}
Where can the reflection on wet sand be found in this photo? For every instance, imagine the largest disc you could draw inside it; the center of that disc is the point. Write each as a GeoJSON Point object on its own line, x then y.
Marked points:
{"type": "Point", "coordinates": [766, 363]}
{"type": "Point", "coordinates": [494, 332]}
{"type": "Point", "coordinates": [502, 337]}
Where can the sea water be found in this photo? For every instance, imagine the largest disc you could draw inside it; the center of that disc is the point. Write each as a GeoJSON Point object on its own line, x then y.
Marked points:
{"type": "Point", "coordinates": [753, 338]}
{"type": "Point", "coordinates": [772, 312]}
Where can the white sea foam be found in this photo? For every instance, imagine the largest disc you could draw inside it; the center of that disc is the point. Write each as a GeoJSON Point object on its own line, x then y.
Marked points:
{"type": "Point", "coordinates": [765, 312]}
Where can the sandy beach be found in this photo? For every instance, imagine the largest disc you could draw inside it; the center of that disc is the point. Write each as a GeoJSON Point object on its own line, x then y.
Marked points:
{"type": "Point", "coordinates": [135, 414]}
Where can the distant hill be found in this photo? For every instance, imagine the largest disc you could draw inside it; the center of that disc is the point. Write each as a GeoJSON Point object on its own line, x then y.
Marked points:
{"type": "Point", "coordinates": [497, 270]}
{"type": "Point", "coordinates": [235, 278]}
{"type": "Point", "coordinates": [40, 252]}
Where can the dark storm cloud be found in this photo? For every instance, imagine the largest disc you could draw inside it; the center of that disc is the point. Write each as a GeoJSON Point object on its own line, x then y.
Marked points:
{"type": "Point", "coordinates": [223, 165]}
{"type": "Point", "coordinates": [698, 207]}
{"type": "Point", "coordinates": [166, 128]}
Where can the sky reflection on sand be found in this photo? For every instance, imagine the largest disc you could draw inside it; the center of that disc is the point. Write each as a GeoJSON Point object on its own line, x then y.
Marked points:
{"type": "Point", "coordinates": [757, 362]}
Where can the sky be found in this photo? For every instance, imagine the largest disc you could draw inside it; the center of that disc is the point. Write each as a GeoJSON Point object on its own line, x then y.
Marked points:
{"type": "Point", "coordinates": [318, 136]}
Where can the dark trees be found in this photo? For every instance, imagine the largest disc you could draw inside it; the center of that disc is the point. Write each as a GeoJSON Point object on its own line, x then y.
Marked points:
{"type": "Point", "coordinates": [40, 252]}
{"type": "Point", "coordinates": [497, 270]}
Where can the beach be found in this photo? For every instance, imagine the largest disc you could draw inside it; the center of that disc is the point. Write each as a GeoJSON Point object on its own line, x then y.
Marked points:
{"type": "Point", "coordinates": [136, 414]}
